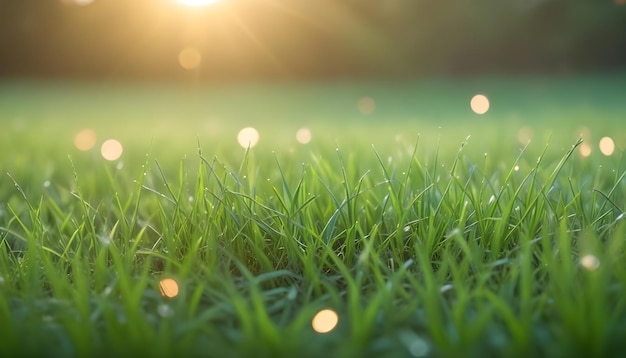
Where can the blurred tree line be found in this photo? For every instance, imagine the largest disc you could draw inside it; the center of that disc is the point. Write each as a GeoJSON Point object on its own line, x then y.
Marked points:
{"type": "Point", "coordinates": [301, 39]}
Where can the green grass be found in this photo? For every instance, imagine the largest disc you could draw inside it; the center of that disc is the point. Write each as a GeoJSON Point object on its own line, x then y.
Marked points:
{"type": "Point", "coordinates": [430, 244]}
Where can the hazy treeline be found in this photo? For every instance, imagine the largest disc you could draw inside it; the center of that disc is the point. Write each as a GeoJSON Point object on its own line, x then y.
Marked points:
{"type": "Point", "coordinates": [295, 39]}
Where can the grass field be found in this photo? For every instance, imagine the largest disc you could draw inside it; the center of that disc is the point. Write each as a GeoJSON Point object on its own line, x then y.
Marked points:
{"type": "Point", "coordinates": [429, 230]}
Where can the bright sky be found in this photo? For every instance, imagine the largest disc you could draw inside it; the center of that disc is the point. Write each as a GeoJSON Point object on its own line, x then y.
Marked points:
{"type": "Point", "coordinates": [198, 2]}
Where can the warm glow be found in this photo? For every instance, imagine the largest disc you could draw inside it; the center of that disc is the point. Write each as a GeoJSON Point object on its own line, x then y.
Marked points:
{"type": "Point", "coordinates": [524, 135]}
{"type": "Point", "coordinates": [248, 137]}
{"type": "Point", "coordinates": [607, 146]}
{"type": "Point", "coordinates": [303, 135]}
{"type": "Point", "coordinates": [367, 105]}
{"type": "Point", "coordinates": [590, 262]}
{"type": "Point", "coordinates": [584, 133]}
{"type": "Point", "coordinates": [189, 58]}
{"type": "Point", "coordinates": [198, 3]}
{"type": "Point", "coordinates": [325, 321]}
{"type": "Point", "coordinates": [169, 288]}
{"type": "Point", "coordinates": [83, 2]}
{"type": "Point", "coordinates": [585, 149]}
{"type": "Point", "coordinates": [85, 139]}
{"type": "Point", "coordinates": [479, 104]}
{"type": "Point", "coordinates": [111, 149]}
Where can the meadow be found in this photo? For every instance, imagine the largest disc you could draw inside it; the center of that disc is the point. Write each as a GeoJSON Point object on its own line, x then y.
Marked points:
{"type": "Point", "coordinates": [416, 227]}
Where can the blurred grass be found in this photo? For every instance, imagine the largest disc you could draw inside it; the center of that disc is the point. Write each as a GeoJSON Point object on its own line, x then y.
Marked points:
{"type": "Point", "coordinates": [40, 119]}
{"type": "Point", "coordinates": [423, 248]}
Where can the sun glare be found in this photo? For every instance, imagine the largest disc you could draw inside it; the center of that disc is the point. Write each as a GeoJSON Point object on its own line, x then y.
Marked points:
{"type": "Point", "coordinates": [83, 2]}
{"type": "Point", "coordinates": [198, 3]}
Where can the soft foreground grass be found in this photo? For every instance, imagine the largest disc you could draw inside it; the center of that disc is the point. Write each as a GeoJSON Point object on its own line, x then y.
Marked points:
{"type": "Point", "coordinates": [422, 251]}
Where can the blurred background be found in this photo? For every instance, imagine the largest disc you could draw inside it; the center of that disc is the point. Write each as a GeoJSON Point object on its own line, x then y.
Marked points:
{"type": "Point", "coordinates": [294, 40]}
{"type": "Point", "coordinates": [163, 76]}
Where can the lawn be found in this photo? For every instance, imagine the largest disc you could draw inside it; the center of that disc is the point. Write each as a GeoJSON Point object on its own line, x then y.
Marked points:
{"type": "Point", "coordinates": [422, 228]}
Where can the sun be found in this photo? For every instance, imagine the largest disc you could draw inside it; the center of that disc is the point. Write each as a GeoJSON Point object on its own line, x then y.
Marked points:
{"type": "Point", "coordinates": [198, 3]}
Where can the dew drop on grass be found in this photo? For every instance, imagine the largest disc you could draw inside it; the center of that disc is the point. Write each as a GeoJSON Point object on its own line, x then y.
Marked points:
{"type": "Point", "coordinates": [119, 166]}
{"type": "Point", "coordinates": [516, 168]}
{"type": "Point", "coordinates": [1, 280]}
{"type": "Point", "coordinates": [47, 184]}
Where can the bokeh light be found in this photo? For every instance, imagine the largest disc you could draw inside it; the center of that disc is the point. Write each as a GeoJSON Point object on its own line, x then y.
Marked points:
{"type": "Point", "coordinates": [479, 104]}
{"type": "Point", "coordinates": [325, 321]}
{"type": "Point", "coordinates": [190, 58]}
{"type": "Point", "coordinates": [367, 105]}
{"type": "Point", "coordinates": [607, 146]}
{"type": "Point", "coordinates": [585, 149]}
{"type": "Point", "coordinates": [111, 149]}
{"type": "Point", "coordinates": [590, 262]}
{"type": "Point", "coordinates": [303, 135]}
{"type": "Point", "coordinates": [198, 3]}
{"type": "Point", "coordinates": [248, 137]}
{"type": "Point", "coordinates": [83, 2]}
{"type": "Point", "coordinates": [168, 287]}
{"type": "Point", "coordinates": [85, 139]}
{"type": "Point", "coordinates": [524, 135]}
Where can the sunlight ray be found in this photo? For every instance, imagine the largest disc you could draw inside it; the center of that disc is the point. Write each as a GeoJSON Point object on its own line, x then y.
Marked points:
{"type": "Point", "coordinates": [259, 43]}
